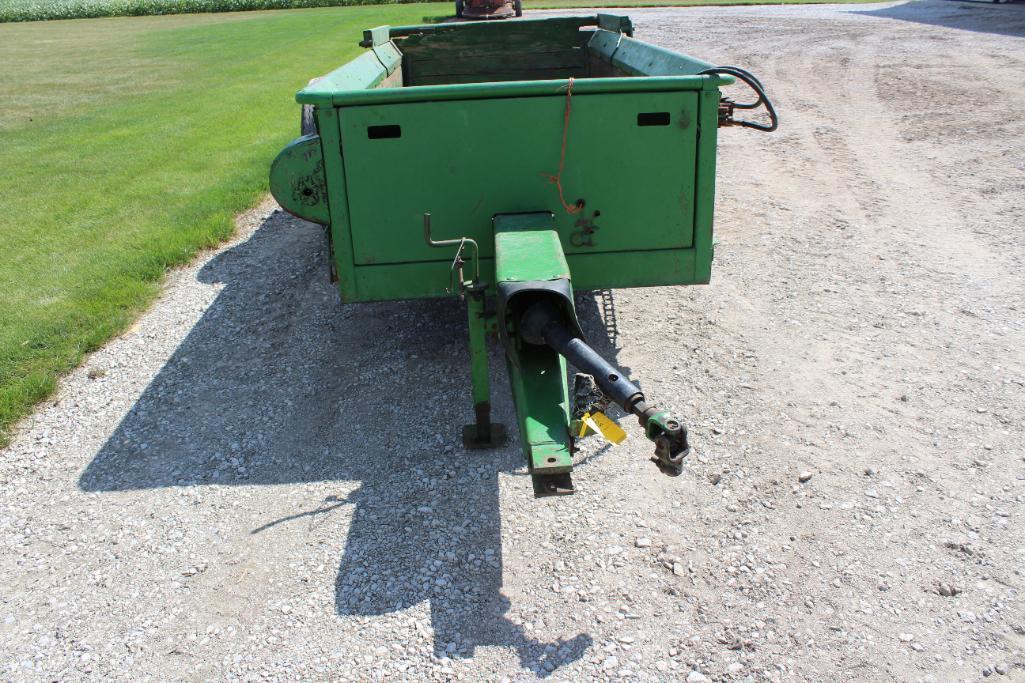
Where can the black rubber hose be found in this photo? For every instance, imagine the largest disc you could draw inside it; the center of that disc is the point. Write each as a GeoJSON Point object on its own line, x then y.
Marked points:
{"type": "Point", "coordinates": [756, 85]}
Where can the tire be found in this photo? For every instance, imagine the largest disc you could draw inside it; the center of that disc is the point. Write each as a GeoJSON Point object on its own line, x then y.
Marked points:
{"type": "Point", "coordinates": [308, 122]}
{"type": "Point", "coordinates": [459, 9]}
{"type": "Point", "coordinates": [518, 7]}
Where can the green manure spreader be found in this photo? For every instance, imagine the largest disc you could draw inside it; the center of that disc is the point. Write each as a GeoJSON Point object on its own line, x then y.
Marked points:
{"type": "Point", "coordinates": [509, 164]}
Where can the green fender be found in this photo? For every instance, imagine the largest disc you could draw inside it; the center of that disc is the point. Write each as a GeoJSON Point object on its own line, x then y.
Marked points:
{"type": "Point", "coordinates": [297, 180]}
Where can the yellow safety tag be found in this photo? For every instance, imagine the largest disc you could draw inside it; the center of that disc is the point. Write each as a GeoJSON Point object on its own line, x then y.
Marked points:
{"type": "Point", "coordinates": [601, 424]}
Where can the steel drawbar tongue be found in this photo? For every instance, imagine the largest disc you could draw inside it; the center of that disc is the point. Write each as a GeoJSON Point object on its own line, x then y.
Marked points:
{"type": "Point", "coordinates": [542, 324]}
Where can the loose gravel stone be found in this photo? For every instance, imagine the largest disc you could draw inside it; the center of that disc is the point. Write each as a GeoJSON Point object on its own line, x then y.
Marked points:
{"type": "Point", "coordinates": [259, 482]}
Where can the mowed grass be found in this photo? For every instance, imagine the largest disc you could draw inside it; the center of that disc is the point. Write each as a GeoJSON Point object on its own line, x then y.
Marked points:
{"type": "Point", "coordinates": [567, 4]}
{"type": "Point", "coordinates": [125, 146]}
{"type": "Point", "coordinates": [37, 10]}
{"type": "Point", "coordinates": [40, 10]}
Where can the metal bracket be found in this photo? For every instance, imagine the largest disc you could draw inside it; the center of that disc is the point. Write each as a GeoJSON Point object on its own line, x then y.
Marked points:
{"type": "Point", "coordinates": [457, 263]}
{"type": "Point", "coordinates": [473, 439]}
{"type": "Point", "coordinates": [584, 237]}
{"type": "Point", "coordinates": [670, 438]}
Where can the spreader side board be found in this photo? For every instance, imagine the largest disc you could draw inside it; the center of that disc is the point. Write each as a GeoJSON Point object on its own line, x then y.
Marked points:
{"type": "Point", "coordinates": [629, 163]}
{"type": "Point", "coordinates": [639, 153]}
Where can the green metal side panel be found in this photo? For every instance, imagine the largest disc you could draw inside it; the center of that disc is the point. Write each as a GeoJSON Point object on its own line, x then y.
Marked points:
{"type": "Point", "coordinates": [389, 57]}
{"type": "Point", "coordinates": [379, 35]}
{"type": "Point", "coordinates": [315, 94]}
{"type": "Point", "coordinates": [604, 44]}
{"type": "Point", "coordinates": [636, 58]}
{"type": "Point", "coordinates": [590, 271]}
{"type": "Point", "coordinates": [460, 161]}
{"type": "Point", "coordinates": [458, 156]}
{"type": "Point", "coordinates": [495, 30]}
{"type": "Point", "coordinates": [362, 73]}
{"type": "Point", "coordinates": [338, 202]}
{"type": "Point", "coordinates": [615, 23]}
{"type": "Point", "coordinates": [705, 174]}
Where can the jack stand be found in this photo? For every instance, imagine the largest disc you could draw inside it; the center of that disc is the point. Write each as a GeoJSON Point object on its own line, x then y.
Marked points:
{"type": "Point", "coordinates": [483, 433]}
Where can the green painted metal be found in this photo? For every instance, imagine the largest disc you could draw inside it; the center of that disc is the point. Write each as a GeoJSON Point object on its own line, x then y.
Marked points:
{"type": "Point", "coordinates": [466, 121]}
{"type": "Point", "coordinates": [636, 58]}
{"type": "Point", "coordinates": [482, 432]}
{"type": "Point", "coordinates": [641, 186]}
{"type": "Point", "coordinates": [615, 24]}
{"type": "Point", "coordinates": [602, 45]}
{"type": "Point", "coordinates": [379, 35]}
{"type": "Point", "coordinates": [338, 205]}
{"type": "Point", "coordinates": [704, 173]}
{"type": "Point", "coordinates": [320, 93]}
{"type": "Point", "coordinates": [653, 186]}
{"type": "Point", "coordinates": [364, 72]}
{"type": "Point", "coordinates": [531, 50]}
{"type": "Point", "coordinates": [590, 271]}
{"type": "Point", "coordinates": [478, 349]}
{"type": "Point", "coordinates": [528, 250]}
{"type": "Point", "coordinates": [496, 30]}
{"type": "Point", "coordinates": [297, 178]}
{"type": "Point", "coordinates": [389, 56]}
{"type": "Point", "coordinates": [538, 376]}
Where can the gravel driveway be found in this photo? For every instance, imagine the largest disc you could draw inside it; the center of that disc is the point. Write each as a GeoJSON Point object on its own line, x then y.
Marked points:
{"type": "Point", "coordinates": [258, 482]}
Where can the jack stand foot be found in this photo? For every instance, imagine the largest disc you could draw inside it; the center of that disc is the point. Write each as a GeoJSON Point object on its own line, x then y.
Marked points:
{"type": "Point", "coordinates": [473, 440]}
{"type": "Point", "coordinates": [560, 484]}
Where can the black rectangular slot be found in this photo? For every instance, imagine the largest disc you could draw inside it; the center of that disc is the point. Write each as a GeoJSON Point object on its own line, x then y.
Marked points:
{"type": "Point", "coordinates": [390, 131]}
{"type": "Point", "coordinates": [653, 118]}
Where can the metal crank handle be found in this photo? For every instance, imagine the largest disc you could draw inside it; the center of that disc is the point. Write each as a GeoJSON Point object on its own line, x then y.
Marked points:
{"type": "Point", "coordinates": [543, 324]}
{"type": "Point", "coordinates": [460, 243]}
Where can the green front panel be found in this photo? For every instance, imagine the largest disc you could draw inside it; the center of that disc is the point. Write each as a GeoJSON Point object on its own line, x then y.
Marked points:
{"type": "Point", "coordinates": [465, 161]}
{"type": "Point", "coordinates": [590, 271]}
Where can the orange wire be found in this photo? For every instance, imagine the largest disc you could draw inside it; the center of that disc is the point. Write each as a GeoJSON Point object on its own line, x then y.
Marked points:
{"type": "Point", "coordinates": [557, 178]}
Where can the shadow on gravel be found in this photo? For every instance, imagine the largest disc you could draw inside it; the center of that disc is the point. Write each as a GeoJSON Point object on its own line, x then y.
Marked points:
{"type": "Point", "coordinates": [984, 17]}
{"type": "Point", "coordinates": [279, 383]}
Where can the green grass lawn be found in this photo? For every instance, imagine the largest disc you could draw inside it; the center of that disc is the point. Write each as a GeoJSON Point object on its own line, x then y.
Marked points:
{"type": "Point", "coordinates": [125, 146]}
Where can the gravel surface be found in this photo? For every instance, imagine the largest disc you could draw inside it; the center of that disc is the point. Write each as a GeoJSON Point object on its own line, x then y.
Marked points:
{"type": "Point", "coordinates": [258, 482]}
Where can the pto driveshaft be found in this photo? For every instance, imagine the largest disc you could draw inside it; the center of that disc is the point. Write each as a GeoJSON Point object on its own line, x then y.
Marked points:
{"type": "Point", "coordinates": [543, 324]}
